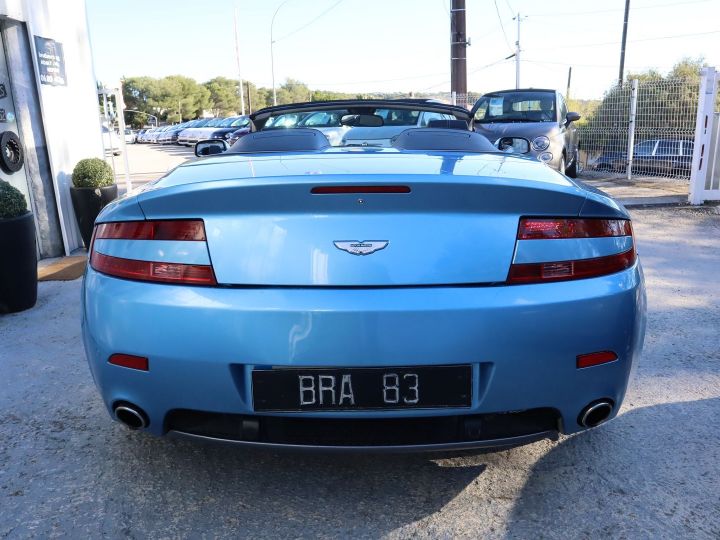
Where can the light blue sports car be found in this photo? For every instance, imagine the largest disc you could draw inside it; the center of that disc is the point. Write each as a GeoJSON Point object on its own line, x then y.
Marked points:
{"type": "Point", "coordinates": [426, 291]}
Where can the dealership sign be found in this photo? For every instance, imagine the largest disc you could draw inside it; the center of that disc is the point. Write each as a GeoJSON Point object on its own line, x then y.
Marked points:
{"type": "Point", "coordinates": [51, 61]}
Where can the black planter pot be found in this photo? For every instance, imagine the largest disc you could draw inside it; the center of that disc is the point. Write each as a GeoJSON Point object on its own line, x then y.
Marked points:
{"type": "Point", "coordinates": [87, 203]}
{"type": "Point", "coordinates": [18, 264]}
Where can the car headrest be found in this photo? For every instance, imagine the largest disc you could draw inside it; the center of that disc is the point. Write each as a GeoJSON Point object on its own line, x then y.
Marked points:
{"type": "Point", "coordinates": [448, 124]}
{"type": "Point", "coordinates": [448, 140]}
{"type": "Point", "coordinates": [282, 140]}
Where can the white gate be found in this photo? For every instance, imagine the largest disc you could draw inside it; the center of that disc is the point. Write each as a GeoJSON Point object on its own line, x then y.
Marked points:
{"type": "Point", "coordinates": [705, 173]}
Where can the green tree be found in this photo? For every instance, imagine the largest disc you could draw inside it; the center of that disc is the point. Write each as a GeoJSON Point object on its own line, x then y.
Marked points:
{"type": "Point", "coordinates": [181, 97]}
{"type": "Point", "coordinates": [292, 91]}
{"type": "Point", "coordinates": [224, 97]}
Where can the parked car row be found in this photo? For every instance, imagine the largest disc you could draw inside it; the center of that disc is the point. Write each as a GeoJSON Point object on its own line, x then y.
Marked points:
{"type": "Point", "coordinates": [188, 133]}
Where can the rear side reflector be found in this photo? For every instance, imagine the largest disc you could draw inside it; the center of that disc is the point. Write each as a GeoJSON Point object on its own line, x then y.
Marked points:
{"type": "Point", "coordinates": [333, 190]}
{"type": "Point", "coordinates": [130, 361]}
{"type": "Point", "coordinates": [564, 270]}
{"type": "Point", "coordinates": [595, 359]}
{"type": "Point", "coordinates": [189, 274]}
{"type": "Point", "coordinates": [546, 229]}
{"type": "Point", "coordinates": [152, 230]}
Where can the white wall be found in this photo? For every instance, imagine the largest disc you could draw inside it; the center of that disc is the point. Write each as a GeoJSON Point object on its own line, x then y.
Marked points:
{"type": "Point", "coordinates": [70, 113]}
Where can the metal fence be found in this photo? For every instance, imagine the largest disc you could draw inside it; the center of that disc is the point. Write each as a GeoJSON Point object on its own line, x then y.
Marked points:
{"type": "Point", "coordinates": [642, 128]}
{"type": "Point", "coordinates": [454, 98]}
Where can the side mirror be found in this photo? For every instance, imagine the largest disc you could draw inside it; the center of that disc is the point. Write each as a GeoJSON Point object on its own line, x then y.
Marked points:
{"type": "Point", "coordinates": [210, 147]}
{"type": "Point", "coordinates": [513, 145]}
{"type": "Point", "coordinates": [572, 117]}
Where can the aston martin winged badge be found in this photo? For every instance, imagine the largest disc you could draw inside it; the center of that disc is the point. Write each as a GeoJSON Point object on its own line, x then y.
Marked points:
{"type": "Point", "coordinates": [364, 247]}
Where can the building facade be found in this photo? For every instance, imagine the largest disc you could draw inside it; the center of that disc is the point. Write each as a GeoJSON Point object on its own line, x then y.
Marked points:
{"type": "Point", "coordinates": [48, 99]}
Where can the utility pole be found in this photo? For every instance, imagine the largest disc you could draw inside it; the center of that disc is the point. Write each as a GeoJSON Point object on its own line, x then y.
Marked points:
{"type": "Point", "coordinates": [624, 40]}
{"type": "Point", "coordinates": [458, 48]}
{"type": "Point", "coordinates": [567, 93]}
{"type": "Point", "coordinates": [237, 56]}
{"type": "Point", "coordinates": [517, 53]}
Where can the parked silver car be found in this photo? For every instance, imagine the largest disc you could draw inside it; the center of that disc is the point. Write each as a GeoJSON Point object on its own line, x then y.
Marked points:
{"type": "Point", "coordinates": [540, 116]}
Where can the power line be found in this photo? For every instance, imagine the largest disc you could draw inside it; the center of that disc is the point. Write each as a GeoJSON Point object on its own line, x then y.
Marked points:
{"type": "Point", "coordinates": [575, 64]}
{"type": "Point", "coordinates": [501, 25]}
{"type": "Point", "coordinates": [594, 12]}
{"type": "Point", "coordinates": [303, 27]}
{"type": "Point", "coordinates": [316, 84]}
{"type": "Point", "coordinates": [510, 7]}
{"type": "Point", "coordinates": [501, 61]}
{"type": "Point", "coordinates": [658, 38]}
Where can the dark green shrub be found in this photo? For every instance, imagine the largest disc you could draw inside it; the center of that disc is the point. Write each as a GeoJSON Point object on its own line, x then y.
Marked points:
{"type": "Point", "coordinates": [92, 173]}
{"type": "Point", "coordinates": [12, 201]}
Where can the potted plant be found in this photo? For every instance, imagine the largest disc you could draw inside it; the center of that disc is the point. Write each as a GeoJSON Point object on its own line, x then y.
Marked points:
{"type": "Point", "coordinates": [18, 263]}
{"type": "Point", "coordinates": [93, 188]}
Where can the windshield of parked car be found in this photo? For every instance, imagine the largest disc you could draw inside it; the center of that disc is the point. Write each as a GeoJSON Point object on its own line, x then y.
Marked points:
{"type": "Point", "coordinates": [523, 106]}
{"type": "Point", "coordinates": [322, 119]}
{"type": "Point", "coordinates": [241, 122]}
{"type": "Point", "coordinates": [227, 122]}
{"type": "Point", "coordinates": [284, 120]}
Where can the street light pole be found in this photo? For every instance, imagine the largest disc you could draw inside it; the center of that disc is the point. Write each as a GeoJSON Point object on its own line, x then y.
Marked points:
{"type": "Point", "coordinates": [272, 55]}
{"type": "Point", "coordinates": [237, 56]}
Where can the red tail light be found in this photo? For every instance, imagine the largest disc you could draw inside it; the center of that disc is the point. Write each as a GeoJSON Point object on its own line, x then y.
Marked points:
{"type": "Point", "coordinates": [156, 271]}
{"type": "Point", "coordinates": [552, 229]}
{"type": "Point", "coordinates": [191, 274]}
{"type": "Point", "coordinates": [547, 229]}
{"type": "Point", "coordinates": [152, 230]}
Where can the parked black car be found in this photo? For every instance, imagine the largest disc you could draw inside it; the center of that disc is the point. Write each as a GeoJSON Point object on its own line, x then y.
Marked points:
{"type": "Point", "coordinates": [227, 127]}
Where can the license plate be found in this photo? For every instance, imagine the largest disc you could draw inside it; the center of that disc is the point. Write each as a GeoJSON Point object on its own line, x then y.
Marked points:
{"type": "Point", "coordinates": [338, 389]}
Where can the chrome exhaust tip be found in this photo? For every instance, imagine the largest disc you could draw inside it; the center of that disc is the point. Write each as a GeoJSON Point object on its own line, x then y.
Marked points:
{"type": "Point", "coordinates": [131, 416]}
{"type": "Point", "coordinates": [596, 413]}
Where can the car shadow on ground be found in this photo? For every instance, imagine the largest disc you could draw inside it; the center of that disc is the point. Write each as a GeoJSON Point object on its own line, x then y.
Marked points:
{"type": "Point", "coordinates": [283, 494]}
{"type": "Point", "coordinates": [650, 473]}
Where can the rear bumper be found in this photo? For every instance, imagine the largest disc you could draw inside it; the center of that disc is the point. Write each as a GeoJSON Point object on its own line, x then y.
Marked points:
{"type": "Point", "coordinates": [522, 342]}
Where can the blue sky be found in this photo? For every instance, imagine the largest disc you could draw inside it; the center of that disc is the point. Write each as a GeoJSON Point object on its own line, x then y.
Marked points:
{"type": "Point", "coordinates": [403, 45]}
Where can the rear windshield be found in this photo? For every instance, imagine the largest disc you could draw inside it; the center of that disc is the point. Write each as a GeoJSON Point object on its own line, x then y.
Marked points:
{"type": "Point", "coordinates": [516, 107]}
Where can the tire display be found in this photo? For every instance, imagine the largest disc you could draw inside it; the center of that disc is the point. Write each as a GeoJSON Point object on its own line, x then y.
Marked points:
{"type": "Point", "coordinates": [12, 156]}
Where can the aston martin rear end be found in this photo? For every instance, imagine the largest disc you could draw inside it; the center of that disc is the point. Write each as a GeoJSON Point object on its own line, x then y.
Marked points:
{"type": "Point", "coordinates": [434, 295]}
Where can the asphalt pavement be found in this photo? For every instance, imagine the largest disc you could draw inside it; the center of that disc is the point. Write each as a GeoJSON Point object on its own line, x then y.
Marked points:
{"type": "Point", "coordinates": [66, 470]}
